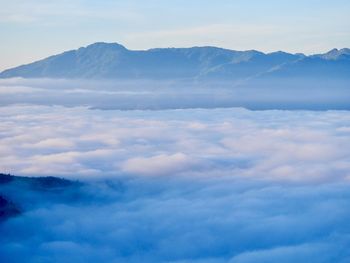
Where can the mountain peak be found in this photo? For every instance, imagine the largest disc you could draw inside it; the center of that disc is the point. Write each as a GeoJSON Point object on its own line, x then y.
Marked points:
{"type": "Point", "coordinates": [104, 45]}
{"type": "Point", "coordinates": [335, 53]}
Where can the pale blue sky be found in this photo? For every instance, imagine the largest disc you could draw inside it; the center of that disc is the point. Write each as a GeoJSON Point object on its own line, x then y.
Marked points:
{"type": "Point", "coordinates": [34, 29]}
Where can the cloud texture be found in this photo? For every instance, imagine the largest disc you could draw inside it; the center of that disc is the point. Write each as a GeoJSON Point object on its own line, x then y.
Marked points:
{"type": "Point", "coordinates": [280, 145]}
{"type": "Point", "coordinates": [164, 219]}
{"type": "Point", "coordinates": [183, 185]}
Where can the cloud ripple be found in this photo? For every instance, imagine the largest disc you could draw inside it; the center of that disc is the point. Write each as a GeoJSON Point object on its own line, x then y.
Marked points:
{"type": "Point", "coordinates": [195, 185]}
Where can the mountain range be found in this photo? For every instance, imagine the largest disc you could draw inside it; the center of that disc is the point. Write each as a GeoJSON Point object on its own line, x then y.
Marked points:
{"type": "Point", "coordinates": [114, 61]}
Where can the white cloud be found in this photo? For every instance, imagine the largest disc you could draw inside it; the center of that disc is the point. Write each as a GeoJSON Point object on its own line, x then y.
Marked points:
{"type": "Point", "coordinates": [277, 145]}
{"type": "Point", "coordinates": [162, 164]}
{"type": "Point", "coordinates": [53, 143]}
{"type": "Point", "coordinates": [185, 185]}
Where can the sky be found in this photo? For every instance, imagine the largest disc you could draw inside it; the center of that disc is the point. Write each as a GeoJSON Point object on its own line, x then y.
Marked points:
{"type": "Point", "coordinates": [34, 29]}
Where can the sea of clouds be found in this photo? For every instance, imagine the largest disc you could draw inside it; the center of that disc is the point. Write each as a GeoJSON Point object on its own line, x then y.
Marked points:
{"type": "Point", "coordinates": [177, 185]}
{"type": "Point", "coordinates": [79, 142]}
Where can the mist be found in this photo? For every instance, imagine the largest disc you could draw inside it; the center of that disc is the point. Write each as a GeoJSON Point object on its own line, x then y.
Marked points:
{"type": "Point", "coordinates": [178, 219]}
{"type": "Point", "coordinates": [174, 172]}
{"type": "Point", "coordinates": [266, 94]}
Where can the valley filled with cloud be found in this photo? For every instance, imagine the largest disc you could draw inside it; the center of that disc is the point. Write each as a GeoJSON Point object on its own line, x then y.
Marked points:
{"type": "Point", "coordinates": [171, 184]}
{"type": "Point", "coordinates": [283, 145]}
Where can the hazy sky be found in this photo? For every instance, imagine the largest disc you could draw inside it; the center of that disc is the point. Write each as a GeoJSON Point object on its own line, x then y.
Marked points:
{"type": "Point", "coordinates": [34, 29]}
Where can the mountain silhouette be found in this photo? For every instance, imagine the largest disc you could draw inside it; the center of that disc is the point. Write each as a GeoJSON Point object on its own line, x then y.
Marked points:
{"type": "Point", "coordinates": [114, 61]}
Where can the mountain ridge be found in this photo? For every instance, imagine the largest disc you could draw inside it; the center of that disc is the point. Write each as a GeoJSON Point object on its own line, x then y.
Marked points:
{"type": "Point", "coordinates": [102, 60]}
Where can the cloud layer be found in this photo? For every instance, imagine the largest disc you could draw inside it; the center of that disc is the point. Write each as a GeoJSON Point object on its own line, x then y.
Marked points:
{"type": "Point", "coordinates": [183, 185]}
{"type": "Point", "coordinates": [279, 145]}
{"type": "Point", "coordinates": [143, 219]}
{"type": "Point", "coordinates": [275, 93]}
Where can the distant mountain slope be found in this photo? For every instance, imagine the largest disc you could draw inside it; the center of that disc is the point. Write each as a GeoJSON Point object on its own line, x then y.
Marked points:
{"type": "Point", "coordinates": [332, 65]}
{"type": "Point", "coordinates": [111, 60]}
